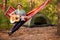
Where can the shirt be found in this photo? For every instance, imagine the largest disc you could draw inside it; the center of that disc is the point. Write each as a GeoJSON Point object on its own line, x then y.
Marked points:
{"type": "Point", "coordinates": [20, 12]}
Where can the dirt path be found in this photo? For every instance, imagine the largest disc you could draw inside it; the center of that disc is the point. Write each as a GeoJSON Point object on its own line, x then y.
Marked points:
{"type": "Point", "coordinates": [37, 33]}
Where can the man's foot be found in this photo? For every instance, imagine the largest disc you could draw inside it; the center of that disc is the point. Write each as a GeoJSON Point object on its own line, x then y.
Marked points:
{"type": "Point", "coordinates": [10, 33]}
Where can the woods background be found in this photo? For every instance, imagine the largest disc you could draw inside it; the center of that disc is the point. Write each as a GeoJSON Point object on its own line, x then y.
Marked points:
{"type": "Point", "coordinates": [50, 10]}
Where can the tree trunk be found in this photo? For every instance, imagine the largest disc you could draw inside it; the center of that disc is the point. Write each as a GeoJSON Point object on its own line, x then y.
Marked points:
{"type": "Point", "coordinates": [58, 7]}
{"type": "Point", "coordinates": [4, 5]}
{"type": "Point", "coordinates": [31, 4]}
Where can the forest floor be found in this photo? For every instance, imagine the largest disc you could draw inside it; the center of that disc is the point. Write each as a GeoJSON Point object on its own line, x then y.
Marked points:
{"type": "Point", "coordinates": [35, 33]}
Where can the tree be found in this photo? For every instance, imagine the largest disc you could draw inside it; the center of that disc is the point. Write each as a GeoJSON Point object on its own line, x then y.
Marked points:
{"type": "Point", "coordinates": [58, 27]}
{"type": "Point", "coordinates": [4, 5]}
{"type": "Point", "coordinates": [31, 4]}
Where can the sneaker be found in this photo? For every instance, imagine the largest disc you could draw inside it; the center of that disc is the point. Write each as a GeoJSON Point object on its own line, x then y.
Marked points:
{"type": "Point", "coordinates": [10, 33]}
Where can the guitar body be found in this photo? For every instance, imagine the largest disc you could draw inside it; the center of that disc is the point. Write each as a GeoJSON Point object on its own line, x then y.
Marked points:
{"type": "Point", "coordinates": [14, 18]}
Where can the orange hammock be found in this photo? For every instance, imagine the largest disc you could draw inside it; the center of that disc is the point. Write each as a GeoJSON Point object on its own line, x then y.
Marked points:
{"type": "Point", "coordinates": [30, 13]}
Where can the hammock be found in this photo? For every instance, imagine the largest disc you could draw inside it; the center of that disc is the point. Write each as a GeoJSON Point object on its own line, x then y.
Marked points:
{"type": "Point", "coordinates": [30, 13]}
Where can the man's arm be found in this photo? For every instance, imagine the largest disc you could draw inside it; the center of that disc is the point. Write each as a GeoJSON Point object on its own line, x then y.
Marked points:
{"type": "Point", "coordinates": [12, 13]}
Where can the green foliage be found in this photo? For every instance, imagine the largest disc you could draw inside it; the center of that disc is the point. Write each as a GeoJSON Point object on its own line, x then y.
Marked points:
{"type": "Point", "coordinates": [1, 1]}
{"type": "Point", "coordinates": [4, 21]}
{"type": "Point", "coordinates": [25, 4]}
{"type": "Point", "coordinates": [50, 10]}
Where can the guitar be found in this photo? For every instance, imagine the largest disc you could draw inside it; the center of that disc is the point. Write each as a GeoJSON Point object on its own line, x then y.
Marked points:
{"type": "Point", "coordinates": [14, 18]}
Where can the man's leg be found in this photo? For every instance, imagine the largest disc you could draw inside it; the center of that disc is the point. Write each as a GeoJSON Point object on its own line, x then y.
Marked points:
{"type": "Point", "coordinates": [16, 27]}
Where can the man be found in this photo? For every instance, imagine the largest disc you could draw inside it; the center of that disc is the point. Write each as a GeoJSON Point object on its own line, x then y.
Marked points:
{"type": "Point", "coordinates": [21, 13]}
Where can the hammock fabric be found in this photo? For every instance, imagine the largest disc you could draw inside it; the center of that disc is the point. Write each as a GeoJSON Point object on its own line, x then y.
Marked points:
{"type": "Point", "coordinates": [30, 13]}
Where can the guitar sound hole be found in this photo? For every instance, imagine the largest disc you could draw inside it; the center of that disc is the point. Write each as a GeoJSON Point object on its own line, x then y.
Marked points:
{"type": "Point", "coordinates": [16, 18]}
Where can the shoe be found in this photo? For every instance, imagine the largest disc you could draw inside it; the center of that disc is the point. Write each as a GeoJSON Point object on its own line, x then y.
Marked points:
{"type": "Point", "coordinates": [10, 33]}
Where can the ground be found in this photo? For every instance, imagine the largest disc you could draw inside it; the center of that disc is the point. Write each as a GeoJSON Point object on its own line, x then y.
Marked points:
{"type": "Point", "coordinates": [35, 33]}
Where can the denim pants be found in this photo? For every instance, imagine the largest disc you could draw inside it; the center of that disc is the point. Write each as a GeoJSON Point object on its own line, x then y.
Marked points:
{"type": "Point", "coordinates": [17, 26]}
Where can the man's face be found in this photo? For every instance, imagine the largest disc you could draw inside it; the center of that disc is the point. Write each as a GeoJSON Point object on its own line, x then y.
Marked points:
{"type": "Point", "coordinates": [19, 6]}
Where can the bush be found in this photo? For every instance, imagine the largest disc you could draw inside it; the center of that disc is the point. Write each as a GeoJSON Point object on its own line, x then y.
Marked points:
{"type": "Point", "coordinates": [4, 21]}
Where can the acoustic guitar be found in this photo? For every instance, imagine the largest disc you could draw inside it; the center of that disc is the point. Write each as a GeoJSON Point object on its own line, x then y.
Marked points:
{"type": "Point", "coordinates": [14, 18]}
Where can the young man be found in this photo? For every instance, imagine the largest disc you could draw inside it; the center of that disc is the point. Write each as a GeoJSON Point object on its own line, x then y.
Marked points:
{"type": "Point", "coordinates": [21, 13]}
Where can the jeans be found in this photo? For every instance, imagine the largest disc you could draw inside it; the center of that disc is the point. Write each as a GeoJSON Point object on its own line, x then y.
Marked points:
{"type": "Point", "coordinates": [17, 26]}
